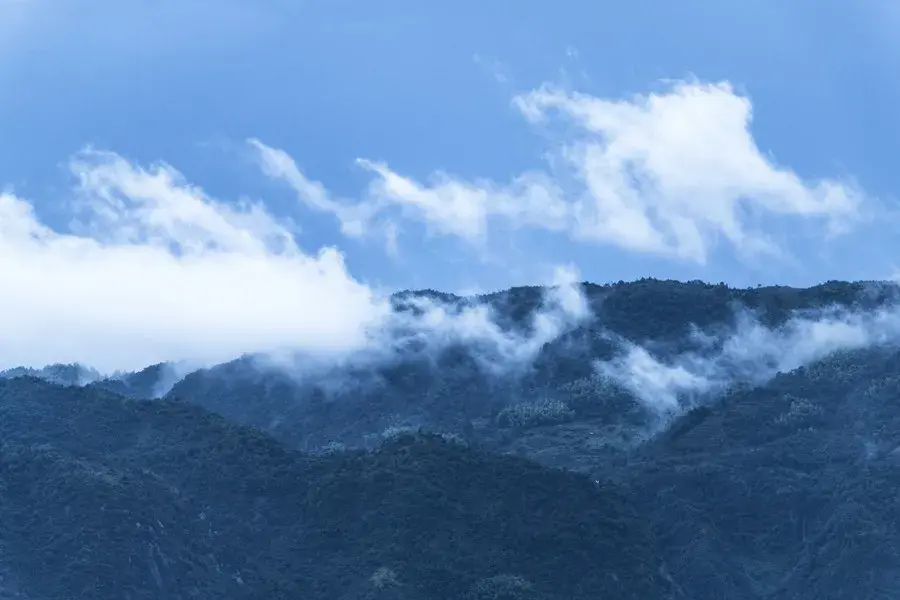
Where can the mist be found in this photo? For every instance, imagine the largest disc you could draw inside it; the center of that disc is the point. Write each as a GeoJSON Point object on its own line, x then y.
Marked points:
{"type": "Point", "coordinates": [748, 352]}
{"type": "Point", "coordinates": [423, 327]}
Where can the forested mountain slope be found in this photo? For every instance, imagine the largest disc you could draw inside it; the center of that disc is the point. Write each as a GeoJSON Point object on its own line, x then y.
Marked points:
{"type": "Point", "coordinates": [684, 440]}
{"type": "Point", "coordinates": [115, 498]}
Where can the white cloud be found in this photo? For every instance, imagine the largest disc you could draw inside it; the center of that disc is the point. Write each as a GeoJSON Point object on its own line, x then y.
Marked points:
{"type": "Point", "coordinates": [450, 206]}
{"type": "Point", "coordinates": [355, 219]}
{"type": "Point", "coordinates": [153, 269]}
{"type": "Point", "coordinates": [668, 174]}
{"type": "Point", "coordinates": [658, 385]}
{"type": "Point", "coordinates": [751, 352]}
{"type": "Point", "coordinates": [564, 307]}
{"type": "Point", "coordinates": [125, 204]}
{"type": "Point", "coordinates": [159, 271]}
{"type": "Point", "coordinates": [447, 205]}
{"type": "Point", "coordinates": [279, 165]}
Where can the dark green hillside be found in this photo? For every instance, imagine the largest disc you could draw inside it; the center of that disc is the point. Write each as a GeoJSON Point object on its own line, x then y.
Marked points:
{"type": "Point", "coordinates": [150, 382]}
{"type": "Point", "coordinates": [789, 489]}
{"type": "Point", "coordinates": [122, 498]}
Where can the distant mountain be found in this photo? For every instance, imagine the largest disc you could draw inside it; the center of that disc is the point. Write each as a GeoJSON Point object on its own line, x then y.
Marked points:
{"type": "Point", "coordinates": [151, 382]}
{"type": "Point", "coordinates": [689, 441]}
{"type": "Point", "coordinates": [63, 374]}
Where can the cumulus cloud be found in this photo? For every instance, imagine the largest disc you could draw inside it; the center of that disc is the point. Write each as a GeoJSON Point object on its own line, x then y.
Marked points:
{"type": "Point", "coordinates": [751, 353]}
{"type": "Point", "coordinates": [668, 174]}
{"type": "Point", "coordinates": [153, 269]}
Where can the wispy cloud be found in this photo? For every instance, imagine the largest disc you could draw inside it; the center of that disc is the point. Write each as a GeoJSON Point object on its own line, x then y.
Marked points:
{"type": "Point", "coordinates": [751, 353]}
{"type": "Point", "coordinates": [434, 326]}
{"type": "Point", "coordinates": [669, 174]}
{"type": "Point", "coordinates": [495, 68]}
{"type": "Point", "coordinates": [449, 206]}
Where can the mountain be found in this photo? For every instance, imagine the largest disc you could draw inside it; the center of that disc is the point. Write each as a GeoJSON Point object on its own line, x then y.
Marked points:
{"type": "Point", "coordinates": [787, 488]}
{"type": "Point", "coordinates": [63, 374]}
{"type": "Point", "coordinates": [151, 382]}
{"type": "Point", "coordinates": [116, 498]}
{"type": "Point", "coordinates": [687, 441]}
{"type": "Point", "coordinates": [451, 390]}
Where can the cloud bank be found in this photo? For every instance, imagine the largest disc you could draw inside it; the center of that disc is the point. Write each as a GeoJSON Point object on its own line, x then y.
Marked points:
{"type": "Point", "coordinates": [154, 270]}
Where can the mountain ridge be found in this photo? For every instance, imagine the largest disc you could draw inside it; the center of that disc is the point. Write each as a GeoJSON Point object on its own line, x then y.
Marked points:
{"type": "Point", "coordinates": [744, 444]}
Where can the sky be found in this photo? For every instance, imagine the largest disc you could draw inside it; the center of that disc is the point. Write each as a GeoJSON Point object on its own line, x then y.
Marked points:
{"type": "Point", "coordinates": [175, 170]}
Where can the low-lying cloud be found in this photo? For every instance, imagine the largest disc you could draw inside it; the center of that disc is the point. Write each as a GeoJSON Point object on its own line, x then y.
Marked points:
{"type": "Point", "coordinates": [476, 326]}
{"type": "Point", "coordinates": [751, 353]}
{"type": "Point", "coordinates": [424, 326]}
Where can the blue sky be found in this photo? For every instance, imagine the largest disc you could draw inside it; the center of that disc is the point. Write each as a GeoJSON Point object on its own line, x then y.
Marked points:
{"type": "Point", "coordinates": [727, 140]}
